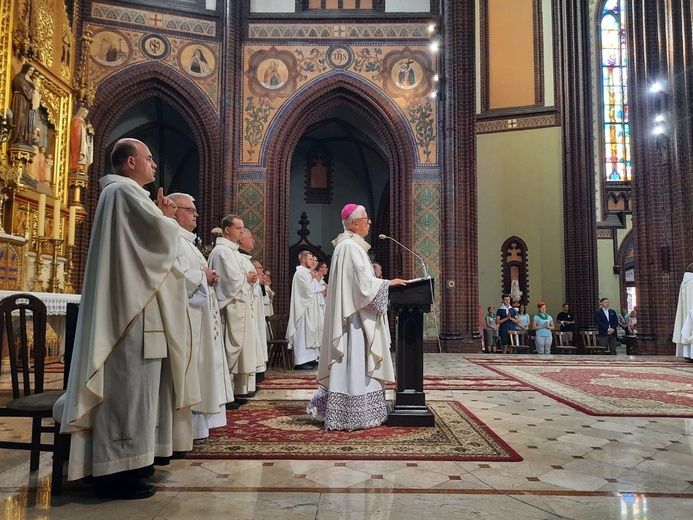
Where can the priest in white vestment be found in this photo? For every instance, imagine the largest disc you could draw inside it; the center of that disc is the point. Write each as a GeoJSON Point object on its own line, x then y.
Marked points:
{"type": "Point", "coordinates": [132, 316]}
{"type": "Point", "coordinates": [355, 360]}
{"type": "Point", "coordinates": [268, 292]}
{"type": "Point", "coordinates": [257, 308]}
{"type": "Point", "coordinates": [321, 269]}
{"type": "Point", "coordinates": [683, 326]}
{"type": "Point", "coordinates": [304, 327]}
{"type": "Point", "coordinates": [235, 283]}
{"type": "Point", "coordinates": [216, 388]}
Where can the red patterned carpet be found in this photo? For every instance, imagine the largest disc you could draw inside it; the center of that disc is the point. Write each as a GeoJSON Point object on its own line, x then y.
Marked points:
{"type": "Point", "coordinates": [571, 360]}
{"type": "Point", "coordinates": [298, 381]}
{"type": "Point", "coordinates": [283, 429]}
{"type": "Point", "coordinates": [631, 389]}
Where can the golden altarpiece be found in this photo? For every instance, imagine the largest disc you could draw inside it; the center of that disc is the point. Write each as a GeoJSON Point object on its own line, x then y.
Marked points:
{"type": "Point", "coordinates": [44, 155]}
{"type": "Point", "coordinates": [45, 145]}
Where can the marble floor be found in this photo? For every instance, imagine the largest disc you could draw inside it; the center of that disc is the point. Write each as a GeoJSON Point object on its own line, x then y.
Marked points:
{"type": "Point", "coordinates": [575, 466]}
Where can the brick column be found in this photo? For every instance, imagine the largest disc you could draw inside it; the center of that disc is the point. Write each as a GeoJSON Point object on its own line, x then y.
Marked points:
{"type": "Point", "coordinates": [459, 240]}
{"type": "Point", "coordinates": [660, 44]}
{"type": "Point", "coordinates": [231, 102]}
{"type": "Point", "coordinates": [574, 100]}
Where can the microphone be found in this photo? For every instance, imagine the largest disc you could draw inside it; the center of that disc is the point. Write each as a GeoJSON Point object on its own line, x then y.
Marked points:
{"type": "Point", "coordinates": [385, 237]}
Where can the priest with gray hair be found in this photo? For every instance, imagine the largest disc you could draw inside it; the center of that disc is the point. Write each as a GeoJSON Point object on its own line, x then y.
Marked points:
{"type": "Point", "coordinates": [355, 362]}
{"type": "Point", "coordinates": [208, 355]}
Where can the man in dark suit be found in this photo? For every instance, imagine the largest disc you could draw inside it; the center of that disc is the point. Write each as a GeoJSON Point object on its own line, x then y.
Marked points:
{"type": "Point", "coordinates": [607, 321]}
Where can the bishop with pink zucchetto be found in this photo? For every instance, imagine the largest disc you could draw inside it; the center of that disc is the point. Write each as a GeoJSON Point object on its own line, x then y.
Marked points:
{"type": "Point", "coordinates": [355, 362]}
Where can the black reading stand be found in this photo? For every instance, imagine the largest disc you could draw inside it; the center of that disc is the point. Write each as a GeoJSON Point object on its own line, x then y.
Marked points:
{"type": "Point", "coordinates": [410, 302]}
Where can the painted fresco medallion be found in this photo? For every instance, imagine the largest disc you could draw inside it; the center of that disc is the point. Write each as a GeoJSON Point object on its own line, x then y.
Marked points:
{"type": "Point", "coordinates": [197, 60]}
{"type": "Point", "coordinates": [340, 56]}
{"type": "Point", "coordinates": [272, 73]}
{"type": "Point", "coordinates": [408, 73]}
{"type": "Point", "coordinates": [155, 46]}
{"type": "Point", "coordinates": [110, 48]}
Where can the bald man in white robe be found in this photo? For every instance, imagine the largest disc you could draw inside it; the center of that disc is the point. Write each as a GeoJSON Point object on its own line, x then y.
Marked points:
{"type": "Point", "coordinates": [132, 316]}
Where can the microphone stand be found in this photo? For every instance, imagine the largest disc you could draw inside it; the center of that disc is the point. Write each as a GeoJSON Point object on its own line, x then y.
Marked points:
{"type": "Point", "coordinates": [423, 264]}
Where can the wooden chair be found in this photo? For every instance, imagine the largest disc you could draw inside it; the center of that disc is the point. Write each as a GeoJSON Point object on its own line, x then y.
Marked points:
{"type": "Point", "coordinates": [590, 342]}
{"type": "Point", "coordinates": [563, 343]}
{"type": "Point", "coordinates": [27, 355]}
{"type": "Point", "coordinates": [519, 342]}
{"type": "Point", "coordinates": [277, 344]}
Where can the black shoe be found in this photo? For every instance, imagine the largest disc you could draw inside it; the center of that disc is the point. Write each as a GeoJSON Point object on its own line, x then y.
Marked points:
{"type": "Point", "coordinates": [128, 491]}
{"type": "Point", "coordinates": [233, 406]}
{"type": "Point", "coordinates": [179, 454]}
{"type": "Point", "coordinates": [240, 402]}
{"type": "Point", "coordinates": [304, 366]}
{"type": "Point", "coordinates": [246, 396]}
{"type": "Point", "coordinates": [162, 461]}
{"type": "Point", "coordinates": [259, 377]}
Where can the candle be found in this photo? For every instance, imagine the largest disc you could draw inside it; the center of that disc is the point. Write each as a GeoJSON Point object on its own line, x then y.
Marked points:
{"type": "Point", "coordinates": [71, 226]}
{"type": "Point", "coordinates": [56, 218]}
{"type": "Point", "coordinates": [42, 214]}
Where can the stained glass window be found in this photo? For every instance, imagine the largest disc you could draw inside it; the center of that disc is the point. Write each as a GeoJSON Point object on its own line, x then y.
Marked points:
{"type": "Point", "coordinates": [614, 67]}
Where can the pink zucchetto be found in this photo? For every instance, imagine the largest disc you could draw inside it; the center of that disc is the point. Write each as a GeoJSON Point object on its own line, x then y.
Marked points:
{"type": "Point", "coordinates": [348, 210]}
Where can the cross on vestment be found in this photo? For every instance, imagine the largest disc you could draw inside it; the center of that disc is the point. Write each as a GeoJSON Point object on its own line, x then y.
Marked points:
{"type": "Point", "coordinates": [157, 20]}
{"type": "Point", "coordinates": [123, 439]}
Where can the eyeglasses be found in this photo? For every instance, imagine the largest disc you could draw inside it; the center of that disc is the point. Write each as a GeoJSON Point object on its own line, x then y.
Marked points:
{"type": "Point", "coordinates": [192, 211]}
{"type": "Point", "coordinates": [362, 218]}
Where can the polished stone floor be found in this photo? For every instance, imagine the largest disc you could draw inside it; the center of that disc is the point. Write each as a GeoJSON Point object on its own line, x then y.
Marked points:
{"type": "Point", "coordinates": [575, 466]}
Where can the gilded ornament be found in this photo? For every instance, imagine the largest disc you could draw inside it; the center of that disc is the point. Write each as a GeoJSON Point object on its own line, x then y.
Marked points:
{"type": "Point", "coordinates": [46, 32]}
{"type": "Point", "coordinates": [5, 6]}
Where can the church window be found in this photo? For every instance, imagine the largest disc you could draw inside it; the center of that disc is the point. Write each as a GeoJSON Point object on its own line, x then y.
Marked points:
{"type": "Point", "coordinates": [614, 92]}
{"type": "Point", "coordinates": [340, 4]}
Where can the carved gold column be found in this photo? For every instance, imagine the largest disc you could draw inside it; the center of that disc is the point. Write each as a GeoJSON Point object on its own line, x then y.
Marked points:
{"type": "Point", "coordinates": [38, 285]}
{"type": "Point", "coordinates": [12, 166]}
{"type": "Point", "coordinates": [86, 90]}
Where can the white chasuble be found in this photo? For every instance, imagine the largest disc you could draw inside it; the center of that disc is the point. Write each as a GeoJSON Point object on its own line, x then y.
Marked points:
{"type": "Point", "coordinates": [355, 360]}
{"type": "Point", "coordinates": [132, 315]}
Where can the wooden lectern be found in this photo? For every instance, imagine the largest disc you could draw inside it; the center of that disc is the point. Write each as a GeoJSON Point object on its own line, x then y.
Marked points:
{"type": "Point", "coordinates": [409, 303]}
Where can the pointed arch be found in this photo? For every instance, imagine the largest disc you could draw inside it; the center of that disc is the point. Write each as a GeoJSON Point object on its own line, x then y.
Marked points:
{"type": "Point", "coordinates": [127, 88]}
{"type": "Point", "coordinates": [625, 262]}
{"type": "Point", "coordinates": [330, 91]}
{"type": "Point", "coordinates": [515, 263]}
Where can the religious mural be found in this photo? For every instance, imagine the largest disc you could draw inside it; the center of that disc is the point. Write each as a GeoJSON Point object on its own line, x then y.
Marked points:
{"type": "Point", "coordinates": [110, 48]}
{"type": "Point", "coordinates": [117, 48]}
{"type": "Point", "coordinates": [274, 73]}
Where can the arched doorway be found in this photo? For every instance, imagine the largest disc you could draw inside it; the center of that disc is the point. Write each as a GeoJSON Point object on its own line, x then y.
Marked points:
{"type": "Point", "coordinates": [351, 95]}
{"type": "Point", "coordinates": [147, 85]}
{"type": "Point", "coordinates": [340, 159]}
{"type": "Point", "coordinates": [171, 141]}
{"type": "Point", "coordinates": [625, 262]}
